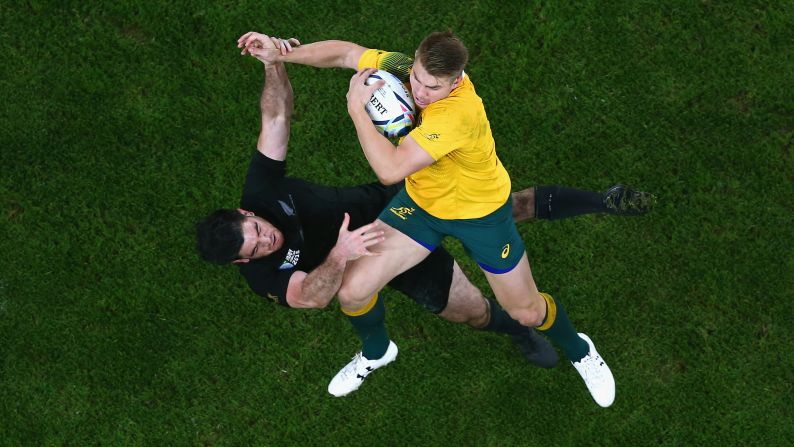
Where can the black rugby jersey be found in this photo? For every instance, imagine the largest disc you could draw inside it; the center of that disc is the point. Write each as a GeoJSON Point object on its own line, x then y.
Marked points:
{"type": "Point", "coordinates": [307, 214]}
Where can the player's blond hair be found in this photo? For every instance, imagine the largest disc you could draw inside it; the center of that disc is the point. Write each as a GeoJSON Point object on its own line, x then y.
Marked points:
{"type": "Point", "coordinates": [443, 54]}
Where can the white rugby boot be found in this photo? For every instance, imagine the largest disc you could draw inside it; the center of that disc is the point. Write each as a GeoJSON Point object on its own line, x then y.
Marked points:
{"type": "Point", "coordinates": [349, 378]}
{"type": "Point", "coordinates": [596, 375]}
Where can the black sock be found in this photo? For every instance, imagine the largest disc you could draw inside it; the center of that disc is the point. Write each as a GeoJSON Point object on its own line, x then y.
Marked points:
{"type": "Point", "coordinates": [554, 202]}
{"type": "Point", "coordinates": [502, 322]}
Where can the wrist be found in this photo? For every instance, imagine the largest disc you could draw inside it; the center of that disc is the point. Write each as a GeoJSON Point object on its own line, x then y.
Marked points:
{"type": "Point", "coordinates": [336, 257]}
{"type": "Point", "coordinates": [357, 112]}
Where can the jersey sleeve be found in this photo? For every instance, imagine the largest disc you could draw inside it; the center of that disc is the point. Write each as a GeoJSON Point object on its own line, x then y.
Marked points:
{"type": "Point", "coordinates": [267, 283]}
{"type": "Point", "coordinates": [395, 63]}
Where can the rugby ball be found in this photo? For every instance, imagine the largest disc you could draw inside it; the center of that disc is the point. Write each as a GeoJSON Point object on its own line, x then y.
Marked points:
{"type": "Point", "coordinates": [391, 107]}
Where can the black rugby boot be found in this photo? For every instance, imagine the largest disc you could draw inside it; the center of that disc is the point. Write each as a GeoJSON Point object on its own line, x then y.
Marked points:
{"type": "Point", "coordinates": [621, 200]}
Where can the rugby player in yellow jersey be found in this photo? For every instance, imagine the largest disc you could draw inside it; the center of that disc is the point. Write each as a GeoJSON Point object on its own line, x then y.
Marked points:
{"type": "Point", "coordinates": [455, 186]}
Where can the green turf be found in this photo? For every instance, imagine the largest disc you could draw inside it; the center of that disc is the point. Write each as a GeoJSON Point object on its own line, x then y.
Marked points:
{"type": "Point", "coordinates": [123, 124]}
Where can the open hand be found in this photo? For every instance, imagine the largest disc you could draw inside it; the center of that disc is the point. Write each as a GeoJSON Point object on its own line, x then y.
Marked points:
{"type": "Point", "coordinates": [354, 244]}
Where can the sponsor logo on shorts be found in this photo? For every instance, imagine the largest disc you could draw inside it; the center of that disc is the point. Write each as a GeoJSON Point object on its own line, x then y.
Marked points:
{"type": "Point", "coordinates": [505, 251]}
{"type": "Point", "coordinates": [402, 211]}
{"type": "Point", "coordinates": [272, 297]}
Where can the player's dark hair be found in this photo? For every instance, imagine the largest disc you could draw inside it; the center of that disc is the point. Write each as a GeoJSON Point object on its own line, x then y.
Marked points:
{"type": "Point", "coordinates": [219, 236]}
{"type": "Point", "coordinates": [443, 54]}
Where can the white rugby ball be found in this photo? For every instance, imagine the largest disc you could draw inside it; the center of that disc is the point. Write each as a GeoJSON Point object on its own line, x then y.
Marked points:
{"type": "Point", "coordinates": [391, 107]}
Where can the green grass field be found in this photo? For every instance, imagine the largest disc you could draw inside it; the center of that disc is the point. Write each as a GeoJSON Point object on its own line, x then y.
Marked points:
{"type": "Point", "coordinates": [124, 124]}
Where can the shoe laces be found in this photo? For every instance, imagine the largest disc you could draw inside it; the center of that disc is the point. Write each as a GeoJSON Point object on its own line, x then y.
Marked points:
{"type": "Point", "coordinates": [352, 368]}
{"type": "Point", "coordinates": [591, 367]}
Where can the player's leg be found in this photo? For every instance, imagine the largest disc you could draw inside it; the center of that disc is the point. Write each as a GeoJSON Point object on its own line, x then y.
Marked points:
{"type": "Point", "coordinates": [517, 292]}
{"type": "Point", "coordinates": [464, 298]}
{"type": "Point", "coordinates": [358, 297]}
{"type": "Point", "coordinates": [553, 202]}
{"type": "Point", "coordinates": [365, 276]}
{"type": "Point", "coordinates": [495, 244]}
{"type": "Point", "coordinates": [404, 226]}
{"type": "Point", "coordinates": [439, 285]}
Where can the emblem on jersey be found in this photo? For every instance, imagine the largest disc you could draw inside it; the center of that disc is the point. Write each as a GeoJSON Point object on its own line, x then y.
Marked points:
{"type": "Point", "coordinates": [433, 136]}
{"type": "Point", "coordinates": [402, 211]}
{"type": "Point", "coordinates": [505, 251]}
{"type": "Point", "coordinates": [286, 208]}
{"type": "Point", "coordinates": [291, 260]}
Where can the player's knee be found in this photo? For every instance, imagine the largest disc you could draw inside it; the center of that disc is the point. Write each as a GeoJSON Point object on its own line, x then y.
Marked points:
{"type": "Point", "coordinates": [351, 297]}
{"type": "Point", "coordinates": [475, 318]}
{"type": "Point", "coordinates": [527, 316]}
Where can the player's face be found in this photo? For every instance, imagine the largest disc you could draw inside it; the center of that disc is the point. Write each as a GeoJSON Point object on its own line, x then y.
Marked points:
{"type": "Point", "coordinates": [427, 88]}
{"type": "Point", "coordinates": [260, 237]}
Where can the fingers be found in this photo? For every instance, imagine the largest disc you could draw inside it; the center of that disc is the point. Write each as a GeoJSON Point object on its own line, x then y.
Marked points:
{"type": "Point", "coordinates": [250, 40]}
{"type": "Point", "coordinates": [345, 223]}
{"type": "Point", "coordinates": [246, 39]}
{"type": "Point", "coordinates": [254, 40]}
{"type": "Point", "coordinates": [367, 227]}
{"type": "Point", "coordinates": [363, 74]}
{"type": "Point", "coordinates": [359, 77]}
{"type": "Point", "coordinates": [371, 89]}
{"type": "Point", "coordinates": [243, 38]}
{"type": "Point", "coordinates": [368, 240]}
{"type": "Point", "coordinates": [276, 42]}
{"type": "Point", "coordinates": [367, 234]}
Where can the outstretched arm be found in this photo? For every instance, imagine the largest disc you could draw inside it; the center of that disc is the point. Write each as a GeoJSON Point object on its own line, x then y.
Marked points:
{"type": "Point", "coordinates": [324, 54]}
{"type": "Point", "coordinates": [276, 105]}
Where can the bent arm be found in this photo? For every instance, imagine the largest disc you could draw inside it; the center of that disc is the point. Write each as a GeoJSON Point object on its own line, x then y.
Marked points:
{"type": "Point", "coordinates": [391, 164]}
{"type": "Point", "coordinates": [317, 288]}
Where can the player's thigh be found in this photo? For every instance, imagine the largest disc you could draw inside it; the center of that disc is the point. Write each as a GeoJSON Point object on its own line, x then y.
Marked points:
{"type": "Point", "coordinates": [367, 275]}
{"type": "Point", "coordinates": [518, 294]}
{"type": "Point", "coordinates": [429, 282]}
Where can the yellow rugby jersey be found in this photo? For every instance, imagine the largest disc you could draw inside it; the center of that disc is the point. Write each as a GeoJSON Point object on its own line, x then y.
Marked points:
{"type": "Point", "coordinates": [467, 180]}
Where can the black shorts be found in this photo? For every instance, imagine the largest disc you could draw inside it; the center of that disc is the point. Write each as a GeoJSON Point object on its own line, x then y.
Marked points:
{"type": "Point", "coordinates": [428, 282]}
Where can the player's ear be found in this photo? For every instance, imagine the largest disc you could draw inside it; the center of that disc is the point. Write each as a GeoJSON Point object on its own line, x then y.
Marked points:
{"type": "Point", "coordinates": [456, 82]}
{"type": "Point", "coordinates": [245, 212]}
{"type": "Point", "coordinates": [241, 261]}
